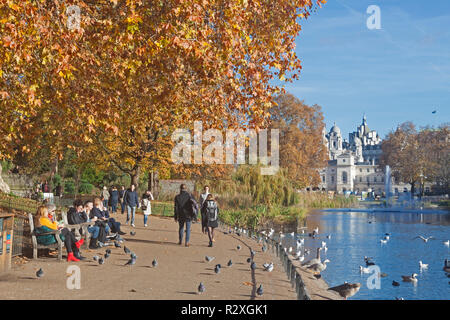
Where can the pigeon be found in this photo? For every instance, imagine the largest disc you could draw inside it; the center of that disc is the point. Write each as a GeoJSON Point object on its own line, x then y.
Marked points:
{"type": "Point", "coordinates": [268, 267]}
{"type": "Point", "coordinates": [259, 291]}
{"type": "Point", "coordinates": [130, 262]}
{"type": "Point", "coordinates": [216, 269]}
{"type": "Point", "coordinates": [201, 288]}
{"type": "Point", "coordinates": [253, 266]}
{"type": "Point", "coordinates": [106, 255]}
{"type": "Point", "coordinates": [230, 263]}
{"type": "Point", "coordinates": [154, 263]}
{"type": "Point", "coordinates": [95, 258]}
{"type": "Point", "coordinates": [264, 249]}
{"type": "Point", "coordinates": [317, 276]}
{"type": "Point", "coordinates": [209, 259]}
{"type": "Point", "coordinates": [252, 253]}
{"type": "Point", "coordinates": [249, 260]}
{"type": "Point", "coordinates": [238, 247]}
{"type": "Point", "coordinates": [117, 244]}
{"type": "Point", "coordinates": [132, 233]}
{"type": "Point", "coordinates": [219, 265]}
{"type": "Point", "coordinates": [395, 283]}
{"type": "Point", "coordinates": [40, 273]}
{"type": "Point", "coordinates": [108, 251]}
{"type": "Point", "coordinates": [133, 255]}
{"type": "Point", "coordinates": [126, 250]}
{"type": "Point", "coordinates": [101, 261]}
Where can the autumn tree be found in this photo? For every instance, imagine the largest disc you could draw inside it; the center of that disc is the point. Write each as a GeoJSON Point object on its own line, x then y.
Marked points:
{"type": "Point", "coordinates": [115, 87]}
{"type": "Point", "coordinates": [301, 149]}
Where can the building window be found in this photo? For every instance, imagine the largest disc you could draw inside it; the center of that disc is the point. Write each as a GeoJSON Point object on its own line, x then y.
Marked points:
{"type": "Point", "coordinates": [343, 160]}
{"type": "Point", "coordinates": [360, 170]}
{"type": "Point", "coordinates": [374, 179]}
{"type": "Point", "coordinates": [323, 179]}
{"type": "Point", "coordinates": [368, 170]}
{"type": "Point", "coordinates": [382, 179]}
{"type": "Point", "coordinates": [368, 180]}
{"type": "Point", "coordinates": [332, 179]}
{"type": "Point", "coordinates": [360, 179]}
{"type": "Point", "coordinates": [344, 177]}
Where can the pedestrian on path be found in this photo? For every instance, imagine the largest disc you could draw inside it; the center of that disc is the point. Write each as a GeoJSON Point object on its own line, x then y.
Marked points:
{"type": "Point", "coordinates": [114, 199]}
{"type": "Point", "coordinates": [185, 210]}
{"type": "Point", "coordinates": [121, 198]}
{"type": "Point", "coordinates": [131, 201]}
{"type": "Point", "coordinates": [210, 214]}
{"type": "Point", "coordinates": [105, 196]}
{"type": "Point", "coordinates": [203, 197]}
{"type": "Point", "coordinates": [146, 205]}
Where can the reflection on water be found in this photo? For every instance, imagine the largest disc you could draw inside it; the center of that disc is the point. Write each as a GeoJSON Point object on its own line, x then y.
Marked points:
{"type": "Point", "coordinates": [358, 234]}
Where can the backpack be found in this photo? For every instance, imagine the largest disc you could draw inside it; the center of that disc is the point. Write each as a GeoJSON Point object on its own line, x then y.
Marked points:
{"type": "Point", "coordinates": [211, 210]}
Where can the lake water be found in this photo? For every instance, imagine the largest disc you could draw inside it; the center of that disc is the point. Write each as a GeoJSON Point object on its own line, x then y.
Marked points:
{"type": "Point", "coordinates": [357, 234]}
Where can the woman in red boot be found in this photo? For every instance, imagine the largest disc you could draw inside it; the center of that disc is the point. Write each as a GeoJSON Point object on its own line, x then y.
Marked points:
{"type": "Point", "coordinates": [43, 224]}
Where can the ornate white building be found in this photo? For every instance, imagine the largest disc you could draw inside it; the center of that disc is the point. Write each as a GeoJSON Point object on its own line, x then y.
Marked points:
{"type": "Point", "coordinates": [353, 164]}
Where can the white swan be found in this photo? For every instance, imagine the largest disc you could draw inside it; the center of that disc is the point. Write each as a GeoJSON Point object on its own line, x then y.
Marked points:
{"type": "Point", "coordinates": [423, 265]}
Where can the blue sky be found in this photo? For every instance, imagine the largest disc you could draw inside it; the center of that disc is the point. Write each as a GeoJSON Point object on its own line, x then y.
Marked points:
{"type": "Point", "coordinates": [396, 74]}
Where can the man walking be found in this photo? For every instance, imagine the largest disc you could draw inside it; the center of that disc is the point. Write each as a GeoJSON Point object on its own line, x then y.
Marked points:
{"type": "Point", "coordinates": [131, 201]}
{"type": "Point", "coordinates": [121, 198]}
{"type": "Point", "coordinates": [185, 210]}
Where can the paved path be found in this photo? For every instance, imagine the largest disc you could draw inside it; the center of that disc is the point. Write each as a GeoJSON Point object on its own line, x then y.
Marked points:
{"type": "Point", "coordinates": [177, 276]}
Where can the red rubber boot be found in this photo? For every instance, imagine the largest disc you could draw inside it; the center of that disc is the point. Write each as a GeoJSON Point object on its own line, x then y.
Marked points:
{"type": "Point", "coordinates": [71, 257]}
{"type": "Point", "coordinates": [79, 243]}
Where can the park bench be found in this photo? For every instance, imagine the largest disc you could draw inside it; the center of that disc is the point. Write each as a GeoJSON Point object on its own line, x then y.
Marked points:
{"type": "Point", "coordinates": [58, 245]}
{"type": "Point", "coordinates": [77, 228]}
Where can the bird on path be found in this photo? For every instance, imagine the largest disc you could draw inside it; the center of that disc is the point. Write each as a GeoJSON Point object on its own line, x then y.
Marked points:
{"type": "Point", "coordinates": [209, 259]}
{"type": "Point", "coordinates": [101, 261]}
{"type": "Point", "coordinates": [201, 288]}
{"type": "Point", "coordinates": [107, 255]}
{"type": "Point", "coordinates": [40, 273]}
{"type": "Point", "coordinates": [95, 258]}
{"type": "Point", "coordinates": [130, 262]}
{"type": "Point", "coordinates": [264, 249]}
{"type": "Point", "coordinates": [268, 267]}
{"type": "Point", "coordinates": [253, 266]}
{"type": "Point", "coordinates": [154, 263]}
{"type": "Point", "coordinates": [252, 253]}
{"type": "Point", "coordinates": [230, 263]}
{"type": "Point", "coordinates": [347, 290]}
{"type": "Point", "coordinates": [260, 291]}
{"type": "Point", "coordinates": [424, 239]}
{"type": "Point", "coordinates": [132, 233]}
{"type": "Point", "coordinates": [249, 260]}
{"type": "Point", "coordinates": [133, 255]}
{"type": "Point", "coordinates": [117, 244]}
{"type": "Point", "coordinates": [217, 269]}
{"type": "Point", "coordinates": [108, 251]}
{"type": "Point", "coordinates": [126, 250]}
{"type": "Point", "coordinates": [238, 247]}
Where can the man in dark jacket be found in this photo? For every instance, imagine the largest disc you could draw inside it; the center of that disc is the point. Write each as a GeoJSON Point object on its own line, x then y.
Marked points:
{"type": "Point", "coordinates": [114, 199]}
{"type": "Point", "coordinates": [185, 211]}
{"type": "Point", "coordinates": [122, 202]}
{"type": "Point", "coordinates": [131, 201]}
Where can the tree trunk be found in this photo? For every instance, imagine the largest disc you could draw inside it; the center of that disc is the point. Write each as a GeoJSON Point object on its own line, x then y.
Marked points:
{"type": "Point", "coordinates": [413, 189]}
{"type": "Point", "coordinates": [135, 175]}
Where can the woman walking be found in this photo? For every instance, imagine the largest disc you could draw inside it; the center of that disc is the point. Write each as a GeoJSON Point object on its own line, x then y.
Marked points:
{"type": "Point", "coordinates": [210, 215]}
{"type": "Point", "coordinates": [146, 205]}
{"type": "Point", "coordinates": [43, 225]}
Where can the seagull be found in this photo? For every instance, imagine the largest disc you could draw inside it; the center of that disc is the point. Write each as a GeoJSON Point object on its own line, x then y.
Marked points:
{"type": "Point", "coordinates": [324, 244]}
{"type": "Point", "coordinates": [347, 290]}
{"type": "Point", "coordinates": [364, 270]}
{"type": "Point", "coordinates": [290, 249]}
{"type": "Point", "coordinates": [133, 255]}
{"type": "Point", "coordinates": [383, 241]}
{"type": "Point", "coordinates": [154, 263]}
{"type": "Point", "coordinates": [316, 230]}
{"type": "Point", "coordinates": [209, 259]}
{"type": "Point", "coordinates": [386, 238]}
{"type": "Point", "coordinates": [259, 291]}
{"type": "Point", "coordinates": [40, 273]}
{"type": "Point", "coordinates": [368, 262]}
{"type": "Point", "coordinates": [108, 251]}
{"type": "Point", "coordinates": [424, 239]}
{"type": "Point", "coordinates": [423, 265]}
{"type": "Point", "coordinates": [447, 243]}
{"type": "Point", "coordinates": [249, 260]}
{"type": "Point", "coordinates": [399, 298]}
{"type": "Point", "coordinates": [201, 288]}
{"type": "Point", "coordinates": [325, 249]}
{"type": "Point", "coordinates": [292, 234]}
{"type": "Point", "coordinates": [329, 236]}
{"type": "Point", "coordinates": [268, 267]}
{"type": "Point", "coordinates": [411, 278]}
{"type": "Point", "coordinates": [300, 242]}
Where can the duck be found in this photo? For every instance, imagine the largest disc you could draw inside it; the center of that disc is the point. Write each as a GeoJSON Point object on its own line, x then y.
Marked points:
{"type": "Point", "coordinates": [324, 244]}
{"type": "Point", "coordinates": [319, 267]}
{"type": "Point", "coordinates": [446, 265]}
{"type": "Point", "coordinates": [313, 261]}
{"type": "Point", "coordinates": [411, 278]}
{"type": "Point", "coordinates": [395, 283]}
{"type": "Point", "coordinates": [347, 290]}
{"type": "Point", "coordinates": [383, 241]}
{"type": "Point", "coordinates": [423, 265]}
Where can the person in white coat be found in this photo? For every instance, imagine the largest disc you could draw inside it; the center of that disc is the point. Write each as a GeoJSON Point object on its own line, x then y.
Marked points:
{"type": "Point", "coordinates": [146, 205]}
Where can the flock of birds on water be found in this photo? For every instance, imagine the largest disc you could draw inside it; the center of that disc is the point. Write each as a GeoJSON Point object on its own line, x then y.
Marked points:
{"type": "Point", "coordinates": [316, 265]}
